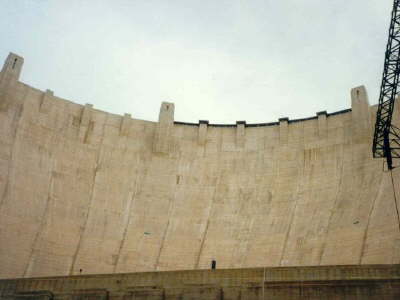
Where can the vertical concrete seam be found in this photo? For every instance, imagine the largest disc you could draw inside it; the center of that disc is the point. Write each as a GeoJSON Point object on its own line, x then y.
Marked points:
{"type": "Point", "coordinates": [171, 208]}
{"type": "Point", "coordinates": [164, 236]}
{"type": "Point", "coordinates": [121, 246]}
{"type": "Point", "coordinates": [333, 208]}
{"type": "Point", "coordinates": [83, 227]}
{"type": "Point", "coordinates": [17, 121]}
{"type": "Point", "coordinates": [246, 227]}
{"type": "Point", "coordinates": [362, 251]}
{"type": "Point", "coordinates": [292, 215]}
{"type": "Point", "coordinates": [42, 224]}
{"type": "Point", "coordinates": [5, 192]}
{"type": "Point", "coordinates": [247, 237]}
{"type": "Point", "coordinates": [254, 219]}
{"type": "Point", "coordinates": [203, 238]}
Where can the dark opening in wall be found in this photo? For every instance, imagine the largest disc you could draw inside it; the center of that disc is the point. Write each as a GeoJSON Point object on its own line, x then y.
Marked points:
{"type": "Point", "coordinates": [14, 63]}
{"type": "Point", "coordinates": [213, 264]}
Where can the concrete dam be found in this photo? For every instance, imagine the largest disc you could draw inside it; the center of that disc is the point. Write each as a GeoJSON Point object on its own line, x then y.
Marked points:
{"type": "Point", "coordinates": [83, 191]}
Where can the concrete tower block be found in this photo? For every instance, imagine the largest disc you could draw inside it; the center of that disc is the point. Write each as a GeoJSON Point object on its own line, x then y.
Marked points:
{"type": "Point", "coordinates": [125, 125]}
{"type": "Point", "coordinates": [12, 68]}
{"type": "Point", "coordinates": [45, 103]}
{"type": "Point", "coordinates": [322, 124]}
{"type": "Point", "coordinates": [203, 124]}
{"type": "Point", "coordinates": [85, 122]}
{"type": "Point", "coordinates": [240, 133]}
{"type": "Point", "coordinates": [9, 77]}
{"type": "Point", "coordinates": [360, 116]}
{"type": "Point", "coordinates": [283, 130]}
{"type": "Point", "coordinates": [164, 128]}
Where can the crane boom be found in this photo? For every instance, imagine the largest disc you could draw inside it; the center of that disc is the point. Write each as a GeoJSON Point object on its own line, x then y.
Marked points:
{"type": "Point", "coordinates": [386, 141]}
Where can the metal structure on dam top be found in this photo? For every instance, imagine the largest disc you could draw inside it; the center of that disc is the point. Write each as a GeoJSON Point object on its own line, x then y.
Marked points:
{"type": "Point", "coordinates": [386, 141]}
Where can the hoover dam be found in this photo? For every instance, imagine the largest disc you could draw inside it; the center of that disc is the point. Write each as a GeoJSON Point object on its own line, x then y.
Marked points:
{"type": "Point", "coordinates": [83, 191]}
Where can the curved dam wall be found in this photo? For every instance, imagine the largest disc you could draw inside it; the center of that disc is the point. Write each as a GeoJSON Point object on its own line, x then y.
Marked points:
{"type": "Point", "coordinates": [85, 191]}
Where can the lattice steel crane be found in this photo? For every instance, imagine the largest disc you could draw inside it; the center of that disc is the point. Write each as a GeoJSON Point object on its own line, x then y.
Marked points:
{"type": "Point", "coordinates": [387, 136]}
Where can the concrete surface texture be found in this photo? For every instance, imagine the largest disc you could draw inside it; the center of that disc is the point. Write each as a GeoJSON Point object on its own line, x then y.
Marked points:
{"type": "Point", "coordinates": [372, 282]}
{"type": "Point", "coordinates": [85, 191]}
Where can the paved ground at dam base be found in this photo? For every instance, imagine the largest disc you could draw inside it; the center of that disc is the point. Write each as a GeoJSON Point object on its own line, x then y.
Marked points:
{"type": "Point", "coordinates": [320, 282]}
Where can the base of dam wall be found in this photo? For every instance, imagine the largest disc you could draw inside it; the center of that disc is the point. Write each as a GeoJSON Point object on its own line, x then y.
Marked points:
{"type": "Point", "coordinates": [284, 283]}
{"type": "Point", "coordinates": [83, 191]}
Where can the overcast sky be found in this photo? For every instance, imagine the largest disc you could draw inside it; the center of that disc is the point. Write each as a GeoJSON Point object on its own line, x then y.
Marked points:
{"type": "Point", "coordinates": [253, 60]}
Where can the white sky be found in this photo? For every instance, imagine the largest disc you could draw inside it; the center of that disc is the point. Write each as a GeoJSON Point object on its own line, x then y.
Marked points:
{"type": "Point", "coordinates": [254, 60]}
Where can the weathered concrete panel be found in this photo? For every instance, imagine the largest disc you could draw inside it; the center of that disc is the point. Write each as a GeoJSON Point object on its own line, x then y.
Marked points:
{"type": "Point", "coordinates": [85, 191]}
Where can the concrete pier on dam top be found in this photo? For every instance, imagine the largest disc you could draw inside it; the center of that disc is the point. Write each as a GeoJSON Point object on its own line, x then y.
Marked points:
{"type": "Point", "coordinates": [83, 191]}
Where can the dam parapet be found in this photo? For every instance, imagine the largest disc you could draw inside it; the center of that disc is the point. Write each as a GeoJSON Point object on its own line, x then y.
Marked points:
{"type": "Point", "coordinates": [361, 115]}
